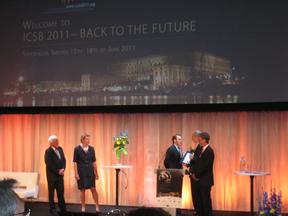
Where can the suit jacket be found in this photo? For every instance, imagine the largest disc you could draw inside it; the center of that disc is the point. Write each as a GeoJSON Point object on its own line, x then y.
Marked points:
{"type": "Point", "coordinates": [203, 167]}
{"type": "Point", "coordinates": [172, 158]}
{"type": "Point", "coordinates": [53, 163]}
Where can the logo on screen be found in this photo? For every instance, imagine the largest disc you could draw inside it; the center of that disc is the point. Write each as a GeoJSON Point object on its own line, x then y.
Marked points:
{"type": "Point", "coordinates": [66, 1]}
{"type": "Point", "coordinates": [63, 6]}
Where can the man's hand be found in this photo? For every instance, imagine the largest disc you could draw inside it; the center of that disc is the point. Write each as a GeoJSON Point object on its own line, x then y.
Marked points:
{"type": "Point", "coordinates": [61, 172]}
{"type": "Point", "coordinates": [194, 177]}
{"type": "Point", "coordinates": [77, 177]}
{"type": "Point", "coordinates": [186, 169]}
{"type": "Point", "coordinates": [96, 176]}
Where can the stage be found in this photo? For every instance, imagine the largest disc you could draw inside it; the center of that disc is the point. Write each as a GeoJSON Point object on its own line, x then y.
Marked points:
{"type": "Point", "coordinates": [42, 208]}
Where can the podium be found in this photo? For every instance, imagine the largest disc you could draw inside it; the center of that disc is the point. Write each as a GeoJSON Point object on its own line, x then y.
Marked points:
{"type": "Point", "coordinates": [252, 175]}
{"type": "Point", "coordinates": [117, 168]}
{"type": "Point", "coordinates": [169, 188]}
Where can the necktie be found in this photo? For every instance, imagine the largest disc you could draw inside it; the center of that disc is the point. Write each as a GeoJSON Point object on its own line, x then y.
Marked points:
{"type": "Point", "coordinates": [202, 150]}
{"type": "Point", "coordinates": [58, 153]}
{"type": "Point", "coordinates": [181, 153]}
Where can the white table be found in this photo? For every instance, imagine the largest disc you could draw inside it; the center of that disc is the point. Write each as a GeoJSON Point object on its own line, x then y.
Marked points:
{"type": "Point", "coordinates": [251, 174]}
{"type": "Point", "coordinates": [117, 168]}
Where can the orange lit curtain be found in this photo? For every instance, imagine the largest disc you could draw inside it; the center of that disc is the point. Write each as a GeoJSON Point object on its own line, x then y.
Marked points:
{"type": "Point", "coordinates": [259, 136]}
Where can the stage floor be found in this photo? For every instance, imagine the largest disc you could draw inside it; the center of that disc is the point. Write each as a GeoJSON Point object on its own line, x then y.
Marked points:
{"type": "Point", "coordinates": [42, 209]}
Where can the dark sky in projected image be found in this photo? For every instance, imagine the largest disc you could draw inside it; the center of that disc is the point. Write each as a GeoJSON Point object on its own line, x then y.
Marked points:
{"type": "Point", "coordinates": [252, 34]}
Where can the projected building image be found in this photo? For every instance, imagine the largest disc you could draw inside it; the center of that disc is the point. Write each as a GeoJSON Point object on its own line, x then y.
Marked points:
{"type": "Point", "coordinates": [155, 79]}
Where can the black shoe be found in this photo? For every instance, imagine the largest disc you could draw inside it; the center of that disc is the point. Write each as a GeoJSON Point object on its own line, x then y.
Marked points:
{"type": "Point", "coordinates": [63, 210]}
{"type": "Point", "coordinates": [53, 212]}
{"type": "Point", "coordinates": [63, 213]}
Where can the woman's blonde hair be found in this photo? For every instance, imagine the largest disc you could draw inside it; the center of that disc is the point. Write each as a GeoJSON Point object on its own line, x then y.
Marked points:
{"type": "Point", "coordinates": [84, 136]}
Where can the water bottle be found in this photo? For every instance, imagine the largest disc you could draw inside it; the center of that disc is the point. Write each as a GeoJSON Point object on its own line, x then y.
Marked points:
{"type": "Point", "coordinates": [242, 164]}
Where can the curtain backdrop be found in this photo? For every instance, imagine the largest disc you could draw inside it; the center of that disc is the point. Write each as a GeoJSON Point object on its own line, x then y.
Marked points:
{"type": "Point", "coordinates": [259, 136]}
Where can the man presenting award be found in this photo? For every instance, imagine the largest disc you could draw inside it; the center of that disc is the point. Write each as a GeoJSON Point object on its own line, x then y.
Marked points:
{"type": "Point", "coordinates": [201, 173]}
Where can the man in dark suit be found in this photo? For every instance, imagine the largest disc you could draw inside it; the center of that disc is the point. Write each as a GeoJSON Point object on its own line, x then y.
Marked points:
{"type": "Point", "coordinates": [196, 153]}
{"type": "Point", "coordinates": [201, 173]}
{"type": "Point", "coordinates": [174, 154]}
{"type": "Point", "coordinates": [55, 167]}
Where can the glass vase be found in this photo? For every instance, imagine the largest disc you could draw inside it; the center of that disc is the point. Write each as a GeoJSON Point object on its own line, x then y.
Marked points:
{"type": "Point", "coordinates": [118, 160]}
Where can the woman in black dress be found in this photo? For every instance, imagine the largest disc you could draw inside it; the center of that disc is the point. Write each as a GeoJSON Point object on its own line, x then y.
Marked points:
{"type": "Point", "coordinates": [85, 169]}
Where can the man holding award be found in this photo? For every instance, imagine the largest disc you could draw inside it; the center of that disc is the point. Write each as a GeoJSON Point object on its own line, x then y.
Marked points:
{"type": "Point", "coordinates": [201, 174]}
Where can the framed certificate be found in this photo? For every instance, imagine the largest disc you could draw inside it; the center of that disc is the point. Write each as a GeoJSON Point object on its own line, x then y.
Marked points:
{"type": "Point", "coordinates": [187, 157]}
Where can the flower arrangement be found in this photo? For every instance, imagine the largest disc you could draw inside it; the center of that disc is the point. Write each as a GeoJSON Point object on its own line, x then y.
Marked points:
{"type": "Point", "coordinates": [270, 205]}
{"type": "Point", "coordinates": [120, 144]}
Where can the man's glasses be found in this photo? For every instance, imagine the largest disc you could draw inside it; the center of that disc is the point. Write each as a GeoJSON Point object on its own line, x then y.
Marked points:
{"type": "Point", "coordinates": [25, 213]}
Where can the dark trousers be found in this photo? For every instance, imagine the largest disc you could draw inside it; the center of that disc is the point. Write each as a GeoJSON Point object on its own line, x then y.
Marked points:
{"type": "Point", "coordinates": [58, 185]}
{"type": "Point", "coordinates": [201, 196]}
